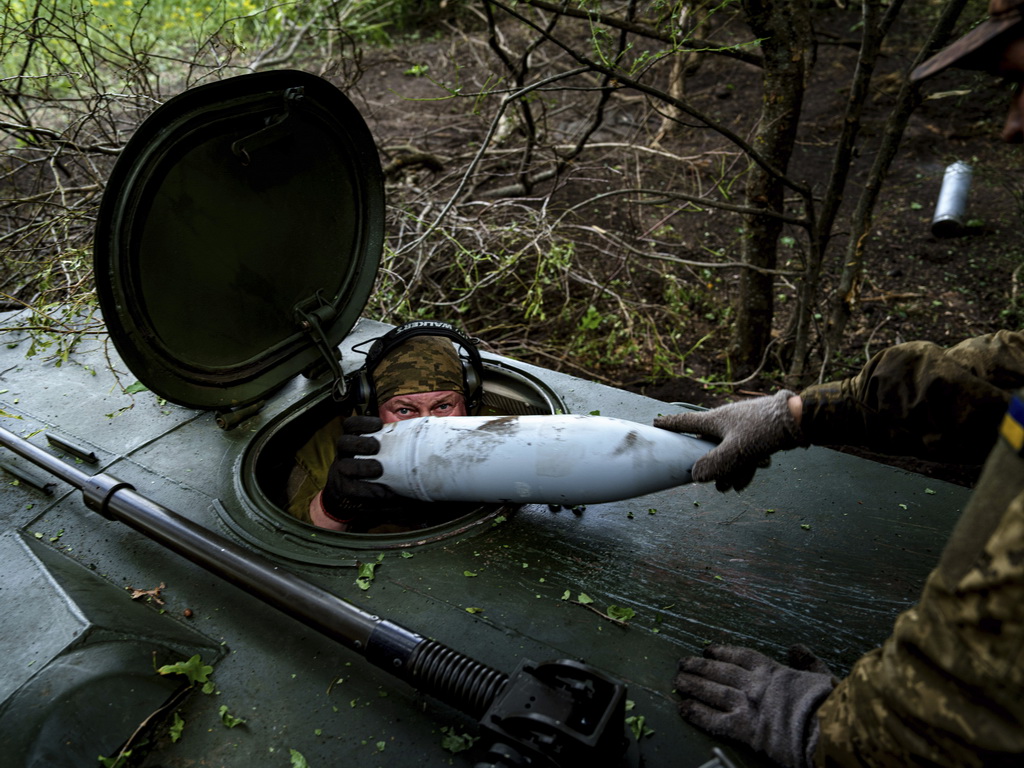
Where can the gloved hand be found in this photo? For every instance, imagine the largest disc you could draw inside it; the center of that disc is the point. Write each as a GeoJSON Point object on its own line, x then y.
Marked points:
{"type": "Point", "coordinates": [750, 431]}
{"type": "Point", "coordinates": [744, 695]}
{"type": "Point", "coordinates": [347, 476]}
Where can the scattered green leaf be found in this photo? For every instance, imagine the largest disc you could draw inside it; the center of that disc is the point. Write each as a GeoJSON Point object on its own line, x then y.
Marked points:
{"type": "Point", "coordinates": [119, 761]}
{"type": "Point", "coordinates": [584, 598]}
{"type": "Point", "coordinates": [193, 669]}
{"type": "Point", "coordinates": [566, 594]}
{"type": "Point", "coordinates": [474, 610]}
{"type": "Point", "coordinates": [177, 726]}
{"type": "Point", "coordinates": [619, 613]}
{"type": "Point", "coordinates": [365, 575]}
{"type": "Point", "coordinates": [407, 555]}
{"type": "Point", "coordinates": [929, 491]}
{"type": "Point", "coordinates": [298, 761]}
{"type": "Point", "coordinates": [468, 574]}
{"type": "Point", "coordinates": [805, 526]}
{"type": "Point", "coordinates": [455, 742]}
{"type": "Point", "coordinates": [637, 726]}
{"type": "Point", "coordinates": [381, 745]}
{"type": "Point", "coordinates": [228, 719]}
{"type": "Point", "coordinates": [135, 388]}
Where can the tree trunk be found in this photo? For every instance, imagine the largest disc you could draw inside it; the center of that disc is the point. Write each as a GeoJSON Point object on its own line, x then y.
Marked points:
{"type": "Point", "coordinates": [848, 289]}
{"type": "Point", "coordinates": [875, 26]}
{"type": "Point", "coordinates": [785, 31]}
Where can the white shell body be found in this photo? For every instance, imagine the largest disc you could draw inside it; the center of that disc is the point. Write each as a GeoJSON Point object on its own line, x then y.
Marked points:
{"type": "Point", "coordinates": [562, 459]}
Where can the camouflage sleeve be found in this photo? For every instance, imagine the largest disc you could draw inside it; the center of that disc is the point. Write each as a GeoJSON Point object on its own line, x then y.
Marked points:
{"type": "Point", "coordinates": [921, 399]}
{"type": "Point", "coordinates": [312, 462]}
{"type": "Point", "coordinates": [945, 688]}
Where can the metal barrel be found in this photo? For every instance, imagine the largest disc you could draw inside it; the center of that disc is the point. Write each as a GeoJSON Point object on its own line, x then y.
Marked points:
{"type": "Point", "coordinates": [445, 674]}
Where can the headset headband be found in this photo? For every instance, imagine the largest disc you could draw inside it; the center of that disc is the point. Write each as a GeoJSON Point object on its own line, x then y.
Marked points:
{"type": "Point", "coordinates": [472, 378]}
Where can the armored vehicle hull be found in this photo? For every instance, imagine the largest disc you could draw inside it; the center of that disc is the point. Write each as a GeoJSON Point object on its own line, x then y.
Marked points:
{"type": "Point", "coordinates": [114, 639]}
{"type": "Point", "coordinates": [823, 549]}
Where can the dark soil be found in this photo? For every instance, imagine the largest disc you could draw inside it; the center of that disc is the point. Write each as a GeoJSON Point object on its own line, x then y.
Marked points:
{"type": "Point", "coordinates": [918, 286]}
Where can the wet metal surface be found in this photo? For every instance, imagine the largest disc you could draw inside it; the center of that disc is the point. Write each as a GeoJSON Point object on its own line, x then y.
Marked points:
{"type": "Point", "coordinates": [823, 549]}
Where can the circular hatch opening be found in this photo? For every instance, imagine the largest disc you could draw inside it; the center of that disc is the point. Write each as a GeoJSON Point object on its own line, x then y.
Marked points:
{"type": "Point", "coordinates": [269, 458]}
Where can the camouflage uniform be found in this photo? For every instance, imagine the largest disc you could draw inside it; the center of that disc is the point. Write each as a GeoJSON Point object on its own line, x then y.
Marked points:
{"type": "Point", "coordinates": [918, 399]}
{"type": "Point", "coordinates": [947, 688]}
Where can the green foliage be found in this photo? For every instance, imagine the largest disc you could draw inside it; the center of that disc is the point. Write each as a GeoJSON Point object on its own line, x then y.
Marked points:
{"type": "Point", "coordinates": [158, 35]}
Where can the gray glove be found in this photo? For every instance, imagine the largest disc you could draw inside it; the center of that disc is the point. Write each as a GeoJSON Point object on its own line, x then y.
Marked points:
{"type": "Point", "coordinates": [750, 431]}
{"type": "Point", "coordinates": [744, 695]}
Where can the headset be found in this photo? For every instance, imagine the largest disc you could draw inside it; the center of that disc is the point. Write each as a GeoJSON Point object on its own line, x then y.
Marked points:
{"type": "Point", "coordinates": [363, 390]}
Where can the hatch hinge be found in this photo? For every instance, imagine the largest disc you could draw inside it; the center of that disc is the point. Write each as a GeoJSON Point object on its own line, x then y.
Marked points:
{"type": "Point", "coordinates": [313, 322]}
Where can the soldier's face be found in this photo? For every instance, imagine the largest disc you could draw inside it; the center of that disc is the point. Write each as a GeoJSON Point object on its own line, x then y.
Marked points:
{"type": "Point", "coordinates": [402, 407]}
{"type": "Point", "coordinates": [1010, 66]}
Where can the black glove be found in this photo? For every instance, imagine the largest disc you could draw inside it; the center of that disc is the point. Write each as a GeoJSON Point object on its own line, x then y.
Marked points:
{"type": "Point", "coordinates": [750, 431]}
{"type": "Point", "coordinates": [744, 695]}
{"type": "Point", "coordinates": [347, 476]}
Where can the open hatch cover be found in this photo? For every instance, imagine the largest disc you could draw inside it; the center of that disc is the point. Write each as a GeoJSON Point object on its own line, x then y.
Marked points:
{"type": "Point", "coordinates": [241, 225]}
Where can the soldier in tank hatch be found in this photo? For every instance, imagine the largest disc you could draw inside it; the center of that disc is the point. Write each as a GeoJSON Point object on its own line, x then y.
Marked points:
{"type": "Point", "coordinates": [413, 371]}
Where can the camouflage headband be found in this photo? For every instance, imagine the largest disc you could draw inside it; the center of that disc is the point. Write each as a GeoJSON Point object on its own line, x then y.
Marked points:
{"type": "Point", "coordinates": [421, 364]}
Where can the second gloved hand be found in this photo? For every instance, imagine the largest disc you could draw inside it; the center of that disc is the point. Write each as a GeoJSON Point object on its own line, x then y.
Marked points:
{"type": "Point", "coordinates": [744, 695]}
{"type": "Point", "coordinates": [348, 477]}
{"type": "Point", "coordinates": [750, 431]}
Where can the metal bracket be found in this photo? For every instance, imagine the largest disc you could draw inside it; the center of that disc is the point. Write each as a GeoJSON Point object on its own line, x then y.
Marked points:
{"type": "Point", "coordinates": [557, 713]}
{"type": "Point", "coordinates": [274, 129]}
{"type": "Point", "coordinates": [44, 487]}
{"type": "Point", "coordinates": [313, 323]}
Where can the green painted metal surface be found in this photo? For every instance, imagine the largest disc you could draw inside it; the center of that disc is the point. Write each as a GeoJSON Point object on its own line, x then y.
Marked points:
{"type": "Point", "coordinates": [823, 549]}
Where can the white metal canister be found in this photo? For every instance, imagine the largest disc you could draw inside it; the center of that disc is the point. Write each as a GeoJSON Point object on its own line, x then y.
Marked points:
{"type": "Point", "coordinates": [950, 209]}
{"type": "Point", "coordinates": [562, 459]}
